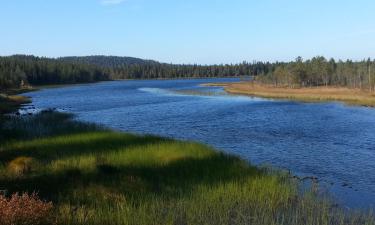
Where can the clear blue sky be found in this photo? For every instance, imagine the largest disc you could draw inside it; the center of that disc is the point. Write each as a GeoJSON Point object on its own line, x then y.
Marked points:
{"type": "Point", "coordinates": [190, 31]}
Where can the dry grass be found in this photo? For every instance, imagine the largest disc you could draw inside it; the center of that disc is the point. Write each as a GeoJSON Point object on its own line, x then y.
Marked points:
{"type": "Point", "coordinates": [10, 103]}
{"type": "Point", "coordinates": [313, 94]}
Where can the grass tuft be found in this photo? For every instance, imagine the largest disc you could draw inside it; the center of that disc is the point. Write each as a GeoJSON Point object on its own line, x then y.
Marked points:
{"type": "Point", "coordinates": [21, 166]}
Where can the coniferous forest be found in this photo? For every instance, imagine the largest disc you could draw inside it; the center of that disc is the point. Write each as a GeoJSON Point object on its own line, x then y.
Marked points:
{"type": "Point", "coordinates": [318, 71]}
{"type": "Point", "coordinates": [20, 69]}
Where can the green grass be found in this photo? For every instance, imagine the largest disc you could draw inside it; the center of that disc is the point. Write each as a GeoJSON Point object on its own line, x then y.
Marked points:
{"type": "Point", "coordinates": [98, 176]}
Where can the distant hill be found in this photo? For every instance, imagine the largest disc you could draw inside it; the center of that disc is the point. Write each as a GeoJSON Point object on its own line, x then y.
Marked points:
{"type": "Point", "coordinates": [108, 61]}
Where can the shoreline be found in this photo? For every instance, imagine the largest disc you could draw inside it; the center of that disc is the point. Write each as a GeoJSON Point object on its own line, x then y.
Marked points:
{"type": "Point", "coordinates": [12, 103]}
{"type": "Point", "coordinates": [348, 96]}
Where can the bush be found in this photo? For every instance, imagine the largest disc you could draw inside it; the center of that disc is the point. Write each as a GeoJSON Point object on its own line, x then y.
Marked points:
{"type": "Point", "coordinates": [21, 166]}
{"type": "Point", "coordinates": [25, 209]}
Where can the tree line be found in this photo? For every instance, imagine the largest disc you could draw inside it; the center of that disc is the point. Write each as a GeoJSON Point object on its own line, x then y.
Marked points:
{"type": "Point", "coordinates": [162, 70]}
{"type": "Point", "coordinates": [20, 70]}
{"type": "Point", "coordinates": [318, 71]}
{"type": "Point", "coordinates": [23, 70]}
{"type": "Point", "coordinates": [134, 68]}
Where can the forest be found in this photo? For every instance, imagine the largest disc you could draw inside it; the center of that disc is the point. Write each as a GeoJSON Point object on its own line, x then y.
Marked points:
{"type": "Point", "coordinates": [134, 68]}
{"type": "Point", "coordinates": [19, 70]}
{"type": "Point", "coordinates": [23, 70]}
{"type": "Point", "coordinates": [319, 71]}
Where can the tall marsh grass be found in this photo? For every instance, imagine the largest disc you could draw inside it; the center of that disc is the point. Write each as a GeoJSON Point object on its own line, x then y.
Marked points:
{"type": "Point", "coordinates": [314, 94]}
{"type": "Point", "coordinates": [96, 176]}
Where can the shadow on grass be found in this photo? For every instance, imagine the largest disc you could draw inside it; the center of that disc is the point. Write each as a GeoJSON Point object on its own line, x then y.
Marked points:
{"type": "Point", "coordinates": [47, 124]}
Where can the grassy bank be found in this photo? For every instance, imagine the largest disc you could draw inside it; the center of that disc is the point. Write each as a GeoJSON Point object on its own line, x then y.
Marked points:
{"type": "Point", "coordinates": [98, 176]}
{"type": "Point", "coordinates": [313, 94]}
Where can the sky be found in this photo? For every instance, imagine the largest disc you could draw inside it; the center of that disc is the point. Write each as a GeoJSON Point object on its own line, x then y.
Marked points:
{"type": "Point", "coordinates": [190, 31]}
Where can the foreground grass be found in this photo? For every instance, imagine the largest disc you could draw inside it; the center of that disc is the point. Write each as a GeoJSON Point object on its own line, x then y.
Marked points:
{"type": "Point", "coordinates": [314, 94]}
{"type": "Point", "coordinates": [98, 176]}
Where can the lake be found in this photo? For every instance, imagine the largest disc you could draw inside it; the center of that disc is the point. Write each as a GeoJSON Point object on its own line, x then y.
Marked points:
{"type": "Point", "coordinates": [330, 141]}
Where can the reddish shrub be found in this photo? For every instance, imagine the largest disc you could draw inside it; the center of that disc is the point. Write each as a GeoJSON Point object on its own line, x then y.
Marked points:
{"type": "Point", "coordinates": [25, 209]}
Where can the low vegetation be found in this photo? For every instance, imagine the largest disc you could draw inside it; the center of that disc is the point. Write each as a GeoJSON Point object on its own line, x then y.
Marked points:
{"type": "Point", "coordinates": [11, 103]}
{"type": "Point", "coordinates": [25, 209]}
{"type": "Point", "coordinates": [98, 176]}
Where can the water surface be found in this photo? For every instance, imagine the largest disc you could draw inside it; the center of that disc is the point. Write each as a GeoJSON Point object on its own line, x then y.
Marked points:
{"type": "Point", "coordinates": [331, 141]}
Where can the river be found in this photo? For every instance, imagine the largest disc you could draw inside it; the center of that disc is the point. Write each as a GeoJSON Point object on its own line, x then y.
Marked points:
{"type": "Point", "coordinates": [330, 141]}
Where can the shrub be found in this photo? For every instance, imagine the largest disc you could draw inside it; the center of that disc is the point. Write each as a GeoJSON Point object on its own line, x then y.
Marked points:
{"type": "Point", "coordinates": [21, 166]}
{"type": "Point", "coordinates": [25, 209]}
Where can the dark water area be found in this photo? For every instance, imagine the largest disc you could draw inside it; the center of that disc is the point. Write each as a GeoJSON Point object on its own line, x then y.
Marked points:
{"type": "Point", "coordinates": [330, 141]}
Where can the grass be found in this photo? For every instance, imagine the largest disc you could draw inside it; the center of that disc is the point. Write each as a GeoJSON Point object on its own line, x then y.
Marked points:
{"type": "Point", "coordinates": [98, 176]}
{"type": "Point", "coordinates": [313, 94]}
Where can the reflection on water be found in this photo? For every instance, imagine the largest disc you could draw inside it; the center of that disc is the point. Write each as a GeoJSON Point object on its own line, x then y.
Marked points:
{"type": "Point", "coordinates": [330, 141]}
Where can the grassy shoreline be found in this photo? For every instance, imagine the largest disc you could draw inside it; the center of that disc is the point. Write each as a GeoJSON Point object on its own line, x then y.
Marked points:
{"type": "Point", "coordinates": [94, 175]}
{"type": "Point", "coordinates": [313, 94]}
{"type": "Point", "coordinates": [98, 176]}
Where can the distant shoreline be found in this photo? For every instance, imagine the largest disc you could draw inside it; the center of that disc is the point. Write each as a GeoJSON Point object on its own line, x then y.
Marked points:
{"type": "Point", "coordinates": [314, 94]}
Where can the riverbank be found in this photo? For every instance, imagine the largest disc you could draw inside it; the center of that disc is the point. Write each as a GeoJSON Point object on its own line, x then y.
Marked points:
{"type": "Point", "coordinates": [313, 94]}
{"type": "Point", "coordinates": [98, 176]}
